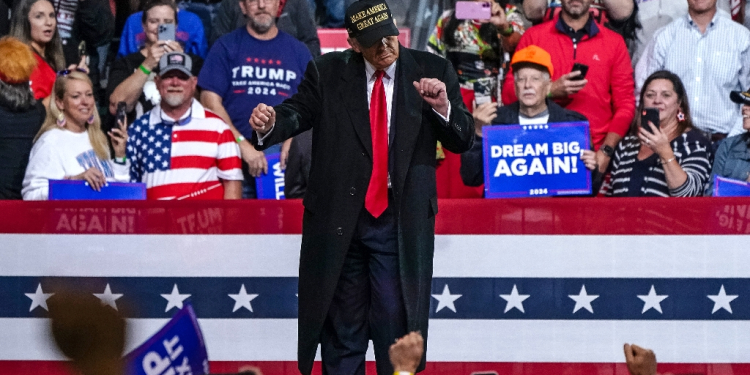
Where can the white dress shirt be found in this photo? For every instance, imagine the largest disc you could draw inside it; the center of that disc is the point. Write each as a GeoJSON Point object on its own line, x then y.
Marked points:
{"type": "Point", "coordinates": [388, 84]}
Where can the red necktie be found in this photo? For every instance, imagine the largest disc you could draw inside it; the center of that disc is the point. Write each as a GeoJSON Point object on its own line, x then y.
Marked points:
{"type": "Point", "coordinates": [376, 199]}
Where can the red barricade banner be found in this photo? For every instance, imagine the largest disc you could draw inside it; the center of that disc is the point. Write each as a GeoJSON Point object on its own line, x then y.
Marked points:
{"type": "Point", "coordinates": [525, 286]}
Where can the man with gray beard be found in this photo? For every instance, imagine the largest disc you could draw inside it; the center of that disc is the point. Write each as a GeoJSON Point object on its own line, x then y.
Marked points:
{"type": "Point", "coordinates": [257, 63]}
{"type": "Point", "coordinates": [179, 149]}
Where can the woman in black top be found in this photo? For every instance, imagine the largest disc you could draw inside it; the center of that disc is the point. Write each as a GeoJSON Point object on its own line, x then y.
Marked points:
{"type": "Point", "coordinates": [21, 115]}
{"type": "Point", "coordinates": [671, 160]}
{"type": "Point", "coordinates": [131, 77]}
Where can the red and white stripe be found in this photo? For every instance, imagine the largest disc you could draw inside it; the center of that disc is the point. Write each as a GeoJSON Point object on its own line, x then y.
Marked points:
{"type": "Point", "coordinates": [203, 152]}
{"type": "Point", "coordinates": [565, 237]}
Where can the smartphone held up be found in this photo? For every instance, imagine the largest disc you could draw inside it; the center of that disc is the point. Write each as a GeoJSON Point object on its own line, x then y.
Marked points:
{"type": "Point", "coordinates": [649, 115]}
{"type": "Point", "coordinates": [121, 114]}
{"type": "Point", "coordinates": [167, 31]}
{"type": "Point", "coordinates": [583, 68]}
{"type": "Point", "coordinates": [473, 10]}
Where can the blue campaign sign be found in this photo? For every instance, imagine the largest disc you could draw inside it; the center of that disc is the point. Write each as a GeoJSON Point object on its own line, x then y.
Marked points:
{"type": "Point", "coordinates": [726, 187]}
{"type": "Point", "coordinates": [535, 160]}
{"type": "Point", "coordinates": [271, 185]}
{"type": "Point", "coordinates": [177, 349]}
{"type": "Point", "coordinates": [80, 190]}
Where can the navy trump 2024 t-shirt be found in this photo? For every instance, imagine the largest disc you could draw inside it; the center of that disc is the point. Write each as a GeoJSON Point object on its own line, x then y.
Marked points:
{"type": "Point", "coordinates": [246, 71]}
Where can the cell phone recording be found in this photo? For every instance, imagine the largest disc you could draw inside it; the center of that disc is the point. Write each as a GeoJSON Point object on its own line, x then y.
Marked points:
{"type": "Point", "coordinates": [167, 31]}
{"type": "Point", "coordinates": [583, 68]}
{"type": "Point", "coordinates": [121, 114]}
{"type": "Point", "coordinates": [473, 10]}
{"type": "Point", "coordinates": [649, 115]}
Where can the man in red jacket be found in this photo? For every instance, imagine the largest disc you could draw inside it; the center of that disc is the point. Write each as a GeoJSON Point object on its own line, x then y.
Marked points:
{"type": "Point", "coordinates": [606, 95]}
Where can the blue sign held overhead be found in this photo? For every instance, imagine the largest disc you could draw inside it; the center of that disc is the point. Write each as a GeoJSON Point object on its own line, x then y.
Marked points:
{"type": "Point", "coordinates": [271, 185]}
{"type": "Point", "coordinates": [177, 349]}
{"type": "Point", "coordinates": [727, 187]}
{"type": "Point", "coordinates": [535, 160]}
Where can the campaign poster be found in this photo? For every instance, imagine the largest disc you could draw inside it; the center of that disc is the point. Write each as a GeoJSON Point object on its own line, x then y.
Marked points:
{"type": "Point", "coordinates": [271, 184]}
{"type": "Point", "coordinates": [727, 187]}
{"type": "Point", "coordinates": [536, 160]}
{"type": "Point", "coordinates": [177, 349]}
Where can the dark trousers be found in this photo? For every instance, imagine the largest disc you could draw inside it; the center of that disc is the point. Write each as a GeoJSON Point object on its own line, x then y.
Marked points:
{"type": "Point", "coordinates": [368, 303]}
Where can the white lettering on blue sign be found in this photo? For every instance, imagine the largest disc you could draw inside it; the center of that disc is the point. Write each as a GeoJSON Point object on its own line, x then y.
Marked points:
{"type": "Point", "coordinates": [518, 166]}
{"type": "Point", "coordinates": [170, 346]}
{"type": "Point", "coordinates": [551, 165]}
{"type": "Point", "coordinates": [249, 71]}
{"type": "Point", "coordinates": [278, 180]}
{"type": "Point", "coordinates": [154, 364]}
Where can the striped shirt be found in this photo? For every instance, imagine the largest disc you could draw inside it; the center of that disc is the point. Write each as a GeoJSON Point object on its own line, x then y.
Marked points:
{"type": "Point", "coordinates": [710, 65]}
{"type": "Point", "coordinates": [692, 152]}
{"type": "Point", "coordinates": [184, 160]}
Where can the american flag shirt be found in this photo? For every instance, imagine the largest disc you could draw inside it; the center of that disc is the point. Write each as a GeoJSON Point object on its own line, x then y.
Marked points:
{"type": "Point", "coordinates": [183, 159]}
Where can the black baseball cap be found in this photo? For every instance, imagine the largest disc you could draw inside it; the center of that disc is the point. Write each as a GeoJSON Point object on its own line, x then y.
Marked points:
{"type": "Point", "coordinates": [740, 97]}
{"type": "Point", "coordinates": [369, 21]}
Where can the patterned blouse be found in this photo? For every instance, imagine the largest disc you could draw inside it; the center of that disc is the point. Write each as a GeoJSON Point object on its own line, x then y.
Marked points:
{"type": "Point", "coordinates": [692, 151]}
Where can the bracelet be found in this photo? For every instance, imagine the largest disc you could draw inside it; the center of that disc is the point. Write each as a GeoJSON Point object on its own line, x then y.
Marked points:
{"type": "Point", "coordinates": [122, 161]}
{"type": "Point", "coordinates": [662, 162]}
{"type": "Point", "coordinates": [239, 139]}
{"type": "Point", "coordinates": [144, 70]}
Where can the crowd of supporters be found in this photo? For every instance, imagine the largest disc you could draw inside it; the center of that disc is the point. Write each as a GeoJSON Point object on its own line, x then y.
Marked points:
{"type": "Point", "coordinates": [76, 105]}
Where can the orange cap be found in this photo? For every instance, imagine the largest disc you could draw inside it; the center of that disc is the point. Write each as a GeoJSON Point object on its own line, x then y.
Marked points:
{"type": "Point", "coordinates": [533, 55]}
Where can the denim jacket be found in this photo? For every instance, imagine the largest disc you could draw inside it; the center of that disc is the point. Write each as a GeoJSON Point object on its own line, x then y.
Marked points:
{"type": "Point", "coordinates": [732, 160]}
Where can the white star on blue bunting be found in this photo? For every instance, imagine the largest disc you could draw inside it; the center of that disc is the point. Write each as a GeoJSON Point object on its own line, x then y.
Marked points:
{"type": "Point", "coordinates": [154, 152]}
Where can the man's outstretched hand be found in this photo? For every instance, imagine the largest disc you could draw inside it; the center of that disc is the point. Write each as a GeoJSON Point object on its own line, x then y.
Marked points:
{"type": "Point", "coordinates": [640, 361]}
{"type": "Point", "coordinates": [406, 353]}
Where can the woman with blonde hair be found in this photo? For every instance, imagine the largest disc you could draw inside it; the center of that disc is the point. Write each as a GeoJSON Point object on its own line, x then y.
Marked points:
{"type": "Point", "coordinates": [71, 144]}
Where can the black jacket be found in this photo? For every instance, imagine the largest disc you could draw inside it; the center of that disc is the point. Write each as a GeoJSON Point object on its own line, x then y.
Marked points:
{"type": "Point", "coordinates": [93, 24]}
{"type": "Point", "coordinates": [297, 170]}
{"type": "Point", "coordinates": [472, 161]}
{"type": "Point", "coordinates": [17, 132]}
{"type": "Point", "coordinates": [332, 100]}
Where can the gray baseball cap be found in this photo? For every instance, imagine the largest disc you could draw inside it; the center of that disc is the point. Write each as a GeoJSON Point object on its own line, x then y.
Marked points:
{"type": "Point", "coordinates": [175, 61]}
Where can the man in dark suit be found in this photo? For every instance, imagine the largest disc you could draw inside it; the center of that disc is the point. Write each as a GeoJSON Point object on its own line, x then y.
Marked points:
{"type": "Point", "coordinates": [377, 111]}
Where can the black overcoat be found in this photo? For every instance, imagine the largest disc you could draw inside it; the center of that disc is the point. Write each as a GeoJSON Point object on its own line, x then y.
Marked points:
{"type": "Point", "coordinates": [332, 99]}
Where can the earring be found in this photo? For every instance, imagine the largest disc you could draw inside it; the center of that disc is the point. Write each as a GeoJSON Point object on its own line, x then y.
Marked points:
{"type": "Point", "coordinates": [61, 120]}
{"type": "Point", "coordinates": [90, 120]}
{"type": "Point", "coordinates": [680, 116]}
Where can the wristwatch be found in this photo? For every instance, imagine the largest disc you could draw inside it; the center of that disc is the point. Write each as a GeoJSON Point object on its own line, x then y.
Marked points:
{"type": "Point", "coordinates": [608, 150]}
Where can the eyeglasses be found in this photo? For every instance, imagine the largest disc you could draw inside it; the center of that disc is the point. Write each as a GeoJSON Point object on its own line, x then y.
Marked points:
{"type": "Point", "coordinates": [65, 72]}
